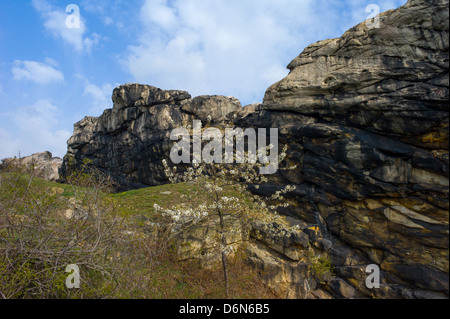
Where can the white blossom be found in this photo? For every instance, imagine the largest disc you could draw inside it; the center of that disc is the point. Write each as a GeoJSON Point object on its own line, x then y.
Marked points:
{"type": "Point", "coordinates": [213, 180]}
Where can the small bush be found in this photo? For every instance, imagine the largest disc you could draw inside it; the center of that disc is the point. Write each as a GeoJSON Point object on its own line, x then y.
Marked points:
{"type": "Point", "coordinates": [42, 231]}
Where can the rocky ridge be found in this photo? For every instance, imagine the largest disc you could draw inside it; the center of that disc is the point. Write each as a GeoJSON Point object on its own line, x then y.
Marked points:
{"type": "Point", "coordinates": [43, 164]}
{"type": "Point", "coordinates": [129, 140]}
{"type": "Point", "coordinates": [365, 117]}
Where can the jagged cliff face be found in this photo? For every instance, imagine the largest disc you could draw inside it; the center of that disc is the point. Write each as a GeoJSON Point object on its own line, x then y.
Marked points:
{"type": "Point", "coordinates": [390, 80]}
{"type": "Point", "coordinates": [129, 141]}
{"type": "Point", "coordinates": [365, 117]}
{"type": "Point", "coordinates": [43, 164]}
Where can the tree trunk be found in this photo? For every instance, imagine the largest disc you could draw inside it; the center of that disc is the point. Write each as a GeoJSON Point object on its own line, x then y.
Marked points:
{"type": "Point", "coordinates": [223, 252]}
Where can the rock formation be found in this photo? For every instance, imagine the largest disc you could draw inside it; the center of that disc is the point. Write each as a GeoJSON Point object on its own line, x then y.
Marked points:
{"type": "Point", "coordinates": [129, 141]}
{"type": "Point", "coordinates": [44, 164]}
{"type": "Point", "coordinates": [366, 119]}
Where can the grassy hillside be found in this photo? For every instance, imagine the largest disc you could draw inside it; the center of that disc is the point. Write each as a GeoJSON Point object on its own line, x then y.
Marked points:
{"type": "Point", "coordinates": [140, 202]}
{"type": "Point", "coordinates": [44, 226]}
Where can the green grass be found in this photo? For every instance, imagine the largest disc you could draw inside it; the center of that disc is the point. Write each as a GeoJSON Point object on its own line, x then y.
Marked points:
{"type": "Point", "coordinates": [140, 202]}
{"type": "Point", "coordinates": [137, 202]}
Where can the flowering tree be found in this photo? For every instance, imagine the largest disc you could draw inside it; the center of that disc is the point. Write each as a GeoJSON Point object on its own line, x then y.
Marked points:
{"type": "Point", "coordinates": [214, 180]}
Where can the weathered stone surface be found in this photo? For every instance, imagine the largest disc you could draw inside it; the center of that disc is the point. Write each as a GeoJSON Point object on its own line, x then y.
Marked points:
{"type": "Point", "coordinates": [342, 289]}
{"type": "Point", "coordinates": [291, 244]}
{"type": "Point", "coordinates": [199, 238]}
{"type": "Point", "coordinates": [366, 118]}
{"type": "Point", "coordinates": [288, 279]}
{"type": "Point", "coordinates": [129, 141]}
{"type": "Point", "coordinates": [215, 107]}
{"type": "Point", "coordinates": [391, 80]}
{"type": "Point", "coordinates": [43, 164]}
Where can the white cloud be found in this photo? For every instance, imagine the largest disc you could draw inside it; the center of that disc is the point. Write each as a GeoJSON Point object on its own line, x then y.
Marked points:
{"type": "Point", "coordinates": [55, 23]}
{"type": "Point", "coordinates": [111, 13]}
{"type": "Point", "coordinates": [158, 12]}
{"type": "Point", "coordinates": [230, 47]}
{"type": "Point", "coordinates": [42, 114]}
{"type": "Point", "coordinates": [51, 62]}
{"type": "Point", "coordinates": [37, 72]}
{"type": "Point", "coordinates": [36, 131]}
{"type": "Point", "coordinates": [100, 97]}
{"type": "Point", "coordinates": [108, 21]}
{"type": "Point", "coordinates": [218, 47]}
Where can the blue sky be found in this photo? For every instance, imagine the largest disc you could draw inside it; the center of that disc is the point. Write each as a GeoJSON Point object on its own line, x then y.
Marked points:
{"type": "Point", "coordinates": [51, 76]}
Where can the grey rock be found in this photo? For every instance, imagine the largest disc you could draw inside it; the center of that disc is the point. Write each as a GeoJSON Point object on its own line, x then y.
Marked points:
{"type": "Point", "coordinates": [371, 137]}
{"type": "Point", "coordinates": [135, 94]}
{"type": "Point", "coordinates": [43, 164]}
{"type": "Point", "coordinates": [216, 107]}
{"type": "Point", "coordinates": [424, 277]}
{"type": "Point", "coordinates": [342, 289]}
{"type": "Point", "coordinates": [129, 141]}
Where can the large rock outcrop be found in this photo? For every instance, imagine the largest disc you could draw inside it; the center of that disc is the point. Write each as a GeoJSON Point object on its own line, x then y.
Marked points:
{"type": "Point", "coordinates": [366, 119]}
{"type": "Point", "coordinates": [129, 141]}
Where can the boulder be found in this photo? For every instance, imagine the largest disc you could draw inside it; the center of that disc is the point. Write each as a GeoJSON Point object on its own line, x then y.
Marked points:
{"type": "Point", "coordinates": [134, 94]}
{"type": "Point", "coordinates": [215, 107]}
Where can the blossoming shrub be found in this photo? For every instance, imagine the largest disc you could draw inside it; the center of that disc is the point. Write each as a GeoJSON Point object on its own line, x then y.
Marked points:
{"type": "Point", "coordinates": [229, 218]}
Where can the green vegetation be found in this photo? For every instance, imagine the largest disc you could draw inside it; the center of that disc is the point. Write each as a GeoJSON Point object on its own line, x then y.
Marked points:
{"type": "Point", "coordinates": [322, 267]}
{"type": "Point", "coordinates": [140, 202]}
{"type": "Point", "coordinates": [121, 253]}
{"type": "Point", "coordinates": [230, 217]}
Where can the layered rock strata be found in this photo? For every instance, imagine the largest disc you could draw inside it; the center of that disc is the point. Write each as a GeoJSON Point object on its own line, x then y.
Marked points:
{"type": "Point", "coordinates": [367, 118]}
{"type": "Point", "coordinates": [129, 141]}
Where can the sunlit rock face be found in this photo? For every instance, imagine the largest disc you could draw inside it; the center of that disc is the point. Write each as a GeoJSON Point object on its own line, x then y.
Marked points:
{"type": "Point", "coordinates": [366, 118]}
{"type": "Point", "coordinates": [43, 164]}
{"type": "Point", "coordinates": [129, 141]}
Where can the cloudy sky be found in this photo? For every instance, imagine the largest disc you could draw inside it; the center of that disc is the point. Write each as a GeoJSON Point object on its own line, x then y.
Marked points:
{"type": "Point", "coordinates": [56, 69]}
